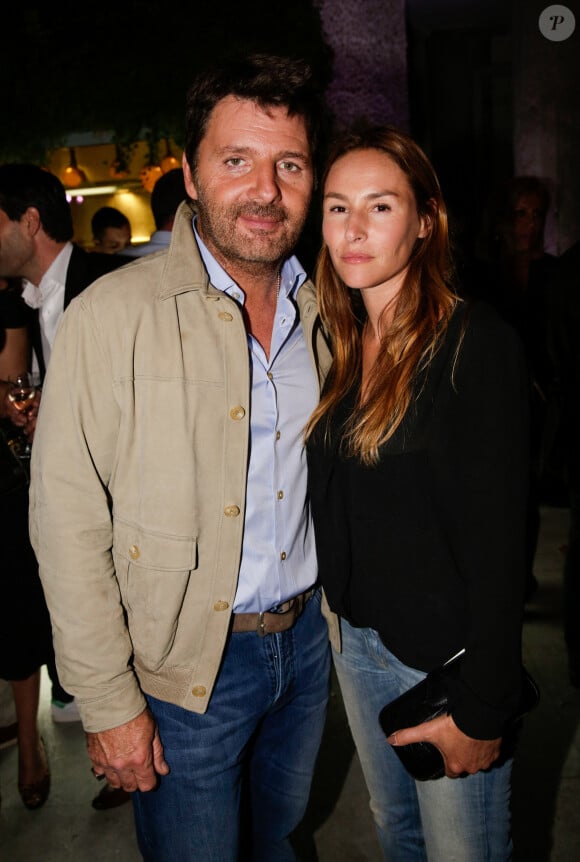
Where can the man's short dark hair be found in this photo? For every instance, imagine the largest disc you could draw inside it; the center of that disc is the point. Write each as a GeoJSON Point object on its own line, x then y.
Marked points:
{"type": "Point", "coordinates": [107, 217]}
{"type": "Point", "coordinates": [168, 192]}
{"type": "Point", "coordinates": [269, 81]}
{"type": "Point", "coordinates": [23, 186]}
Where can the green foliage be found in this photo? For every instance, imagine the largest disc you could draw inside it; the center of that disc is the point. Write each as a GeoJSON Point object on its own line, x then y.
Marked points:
{"type": "Point", "coordinates": [121, 68]}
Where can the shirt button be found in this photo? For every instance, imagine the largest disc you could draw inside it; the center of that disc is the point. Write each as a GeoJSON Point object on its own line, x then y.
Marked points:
{"type": "Point", "coordinates": [232, 511]}
{"type": "Point", "coordinates": [280, 495]}
{"type": "Point", "coordinates": [237, 413]}
{"type": "Point", "coordinates": [221, 606]}
{"type": "Point", "coordinates": [134, 552]}
{"type": "Point", "coordinates": [270, 375]}
{"type": "Point", "coordinates": [225, 315]}
{"type": "Point", "coordinates": [277, 435]}
{"type": "Point", "coordinates": [283, 556]}
{"type": "Point", "coordinates": [198, 690]}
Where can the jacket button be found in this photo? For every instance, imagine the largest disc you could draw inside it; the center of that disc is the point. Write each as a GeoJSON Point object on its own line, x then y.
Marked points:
{"type": "Point", "coordinates": [237, 413]}
{"type": "Point", "coordinates": [225, 315]}
{"type": "Point", "coordinates": [134, 552]}
{"type": "Point", "coordinates": [198, 690]}
{"type": "Point", "coordinates": [232, 511]}
{"type": "Point", "coordinates": [221, 606]}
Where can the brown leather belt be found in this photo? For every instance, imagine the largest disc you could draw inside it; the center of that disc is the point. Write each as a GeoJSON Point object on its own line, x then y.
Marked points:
{"type": "Point", "coordinates": [271, 622]}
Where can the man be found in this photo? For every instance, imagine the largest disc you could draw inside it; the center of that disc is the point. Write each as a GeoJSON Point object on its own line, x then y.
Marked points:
{"type": "Point", "coordinates": [169, 505]}
{"type": "Point", "coordinates": [168, 192]}
{"type": "Point", "coordinates": [111, 231]}
{"type": "Point", "coordinates": [36, 232]}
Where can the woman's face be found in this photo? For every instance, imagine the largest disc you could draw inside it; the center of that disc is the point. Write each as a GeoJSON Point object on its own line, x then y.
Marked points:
{"type": "Point", "coordinates": [370, 220]}
{"type": "Point", "coordinates": [528, 222]}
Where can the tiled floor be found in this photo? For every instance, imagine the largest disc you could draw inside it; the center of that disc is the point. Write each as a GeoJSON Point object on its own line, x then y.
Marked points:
{"type": "Point", "coordinates": [338, 827]}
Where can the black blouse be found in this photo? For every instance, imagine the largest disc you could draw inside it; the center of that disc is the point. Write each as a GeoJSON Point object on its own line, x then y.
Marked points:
{"type": "Point", "coordinates": [427, 547]}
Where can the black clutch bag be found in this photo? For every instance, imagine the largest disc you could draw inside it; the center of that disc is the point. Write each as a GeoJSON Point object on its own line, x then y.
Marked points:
{"type": "Point", "coordinates": [429, 699]}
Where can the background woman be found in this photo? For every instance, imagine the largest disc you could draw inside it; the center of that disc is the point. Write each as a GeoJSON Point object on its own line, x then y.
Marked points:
{"type": "Point", "coordinates": [25, 633]}
{"type": "Point", "coordinates": [418, 465]}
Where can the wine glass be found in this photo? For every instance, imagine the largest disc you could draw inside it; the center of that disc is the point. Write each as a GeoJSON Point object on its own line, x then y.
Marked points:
{"type": "Point", "coordinates": [22, 391]}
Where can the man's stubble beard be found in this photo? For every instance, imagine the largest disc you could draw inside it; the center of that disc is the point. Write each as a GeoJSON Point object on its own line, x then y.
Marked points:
{"type": "Point", "coordinates": [218, 227]}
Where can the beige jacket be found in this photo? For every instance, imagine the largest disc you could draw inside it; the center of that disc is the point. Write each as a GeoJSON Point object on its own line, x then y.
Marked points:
{"type": "Point", "coordinates": [139, 479]}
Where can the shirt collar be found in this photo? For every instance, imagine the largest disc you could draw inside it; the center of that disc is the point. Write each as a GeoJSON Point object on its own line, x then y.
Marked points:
{"type": "Point", "coordinates": [55, 276]}
{"type": "Point", "coordinates": [293, 275]}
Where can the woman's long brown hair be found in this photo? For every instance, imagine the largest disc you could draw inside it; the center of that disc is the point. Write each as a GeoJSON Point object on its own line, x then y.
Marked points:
{"type": "Point", "coordinates": [421, 312]}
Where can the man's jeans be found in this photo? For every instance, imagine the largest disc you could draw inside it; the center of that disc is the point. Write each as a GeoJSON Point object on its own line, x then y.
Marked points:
{"type": "Point", "coordinates": [445, 820]}
{"type": "Point", "coordinates": [241, 774]}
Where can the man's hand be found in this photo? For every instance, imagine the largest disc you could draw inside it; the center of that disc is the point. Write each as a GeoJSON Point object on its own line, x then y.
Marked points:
{"type": "Point", "coordinates": [129, 756]}
{"type": "Point", "coordinates": [461, 753]}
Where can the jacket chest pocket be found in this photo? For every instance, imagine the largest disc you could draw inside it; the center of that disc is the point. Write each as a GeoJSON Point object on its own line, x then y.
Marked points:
{"type": "Point", "coordinates": [154, 571]}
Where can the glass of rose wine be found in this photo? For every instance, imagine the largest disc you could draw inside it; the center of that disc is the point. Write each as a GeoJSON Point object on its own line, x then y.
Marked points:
{"type": "Point", "coordinates": [22, 390]}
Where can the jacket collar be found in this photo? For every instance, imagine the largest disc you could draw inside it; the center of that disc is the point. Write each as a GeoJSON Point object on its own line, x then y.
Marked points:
{"type": "Point", "coordinates": [184, 269]}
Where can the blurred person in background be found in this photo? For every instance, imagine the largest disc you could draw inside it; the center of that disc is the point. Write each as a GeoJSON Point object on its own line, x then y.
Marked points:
{"type": "Point", "coordinates": [168, 192]}
{"type": "Point", "coordinates": [565, 347]}
{"type": "Point", "coordinates": [111, 231]}
{"type": "Point", "coordinates": [25, 631]}
{"type": "Point", "coordinates": [519, 283]}
{"type": "Point", "coordinates": [36, 233]}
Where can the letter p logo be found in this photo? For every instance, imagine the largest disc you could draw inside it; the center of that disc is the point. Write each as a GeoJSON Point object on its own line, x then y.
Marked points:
{"type": "Point", "coordinates": [557, 23]}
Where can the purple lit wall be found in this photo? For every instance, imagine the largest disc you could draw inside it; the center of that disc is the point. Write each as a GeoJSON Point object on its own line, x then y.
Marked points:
{"type": "Point", "coordinates": [547, 117]}
{"type": "Point", "coordinates": [370, 65]}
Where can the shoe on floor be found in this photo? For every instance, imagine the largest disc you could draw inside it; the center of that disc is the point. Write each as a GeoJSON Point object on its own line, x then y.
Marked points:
{"type": "Point", "coordinates": [64, 712]}
{"type": "Point", "coordinates": [110, 797]}
{"type": "Point", "coordinates": [34, 795]}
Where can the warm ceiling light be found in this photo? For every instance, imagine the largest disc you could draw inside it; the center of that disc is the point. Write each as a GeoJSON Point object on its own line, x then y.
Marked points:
{"type": "Point", "coordinates": [72, 176]}
{"type": "Point", "coordinates": [89, 191]}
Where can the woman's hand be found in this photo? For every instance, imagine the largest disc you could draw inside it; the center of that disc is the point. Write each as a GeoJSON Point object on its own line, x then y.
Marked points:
{"type": "Point", "coordinates": [461, 753]}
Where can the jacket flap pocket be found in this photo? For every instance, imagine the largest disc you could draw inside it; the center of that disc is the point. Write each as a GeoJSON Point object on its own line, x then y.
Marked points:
{"type": "Point", "coordinates": [154, 550]}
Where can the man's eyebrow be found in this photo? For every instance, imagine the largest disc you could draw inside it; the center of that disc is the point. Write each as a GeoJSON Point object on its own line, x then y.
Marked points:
{"type": "Point", "coordinates": [232, 149]}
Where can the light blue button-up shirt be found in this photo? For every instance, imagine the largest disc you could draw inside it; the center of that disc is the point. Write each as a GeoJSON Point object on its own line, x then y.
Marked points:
{"type": "Point", "coordinates": [278, 553]}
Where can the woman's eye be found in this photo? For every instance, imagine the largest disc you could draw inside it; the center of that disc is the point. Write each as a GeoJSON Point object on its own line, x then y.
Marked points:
{"type": "Point", "coordinates": [337, 209]}
{"type": "Point", "coordinates": [383, 208]}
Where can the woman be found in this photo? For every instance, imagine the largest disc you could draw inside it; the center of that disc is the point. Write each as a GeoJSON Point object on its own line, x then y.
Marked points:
{"type": "Point", "coordinates": [25, 633]}
{"type": "Point", "coordinates": [418, 465]}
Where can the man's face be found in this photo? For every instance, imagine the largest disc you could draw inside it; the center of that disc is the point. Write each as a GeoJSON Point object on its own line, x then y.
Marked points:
{"type": "Point", "coordinates": [252, 181]}
{"type": "Point", "coordinates": [114, 240]}
{"type": "Point", "coordinates": [16, 247]}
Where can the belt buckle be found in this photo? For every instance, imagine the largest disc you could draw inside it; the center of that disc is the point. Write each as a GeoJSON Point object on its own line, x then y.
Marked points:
{"type": "Point", "coordinates": [261, 627]}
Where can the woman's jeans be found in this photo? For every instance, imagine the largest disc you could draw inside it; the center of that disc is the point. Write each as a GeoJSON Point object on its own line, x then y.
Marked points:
{"type": "Point", "coordinates": [241, 773]}
{"type": "Point", "coordinates": [443, 820]}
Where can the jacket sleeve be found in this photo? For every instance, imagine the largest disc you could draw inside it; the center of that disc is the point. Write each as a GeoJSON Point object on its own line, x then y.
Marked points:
{"type": "Point", "coordinates": [71, 524]}
{"type": "Point", "coordinates": [481, 473]}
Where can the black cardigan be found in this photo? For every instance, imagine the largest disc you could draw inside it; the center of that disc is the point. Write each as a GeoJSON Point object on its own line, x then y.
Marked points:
{"type": "Point", "coordinates": [428, 546]}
